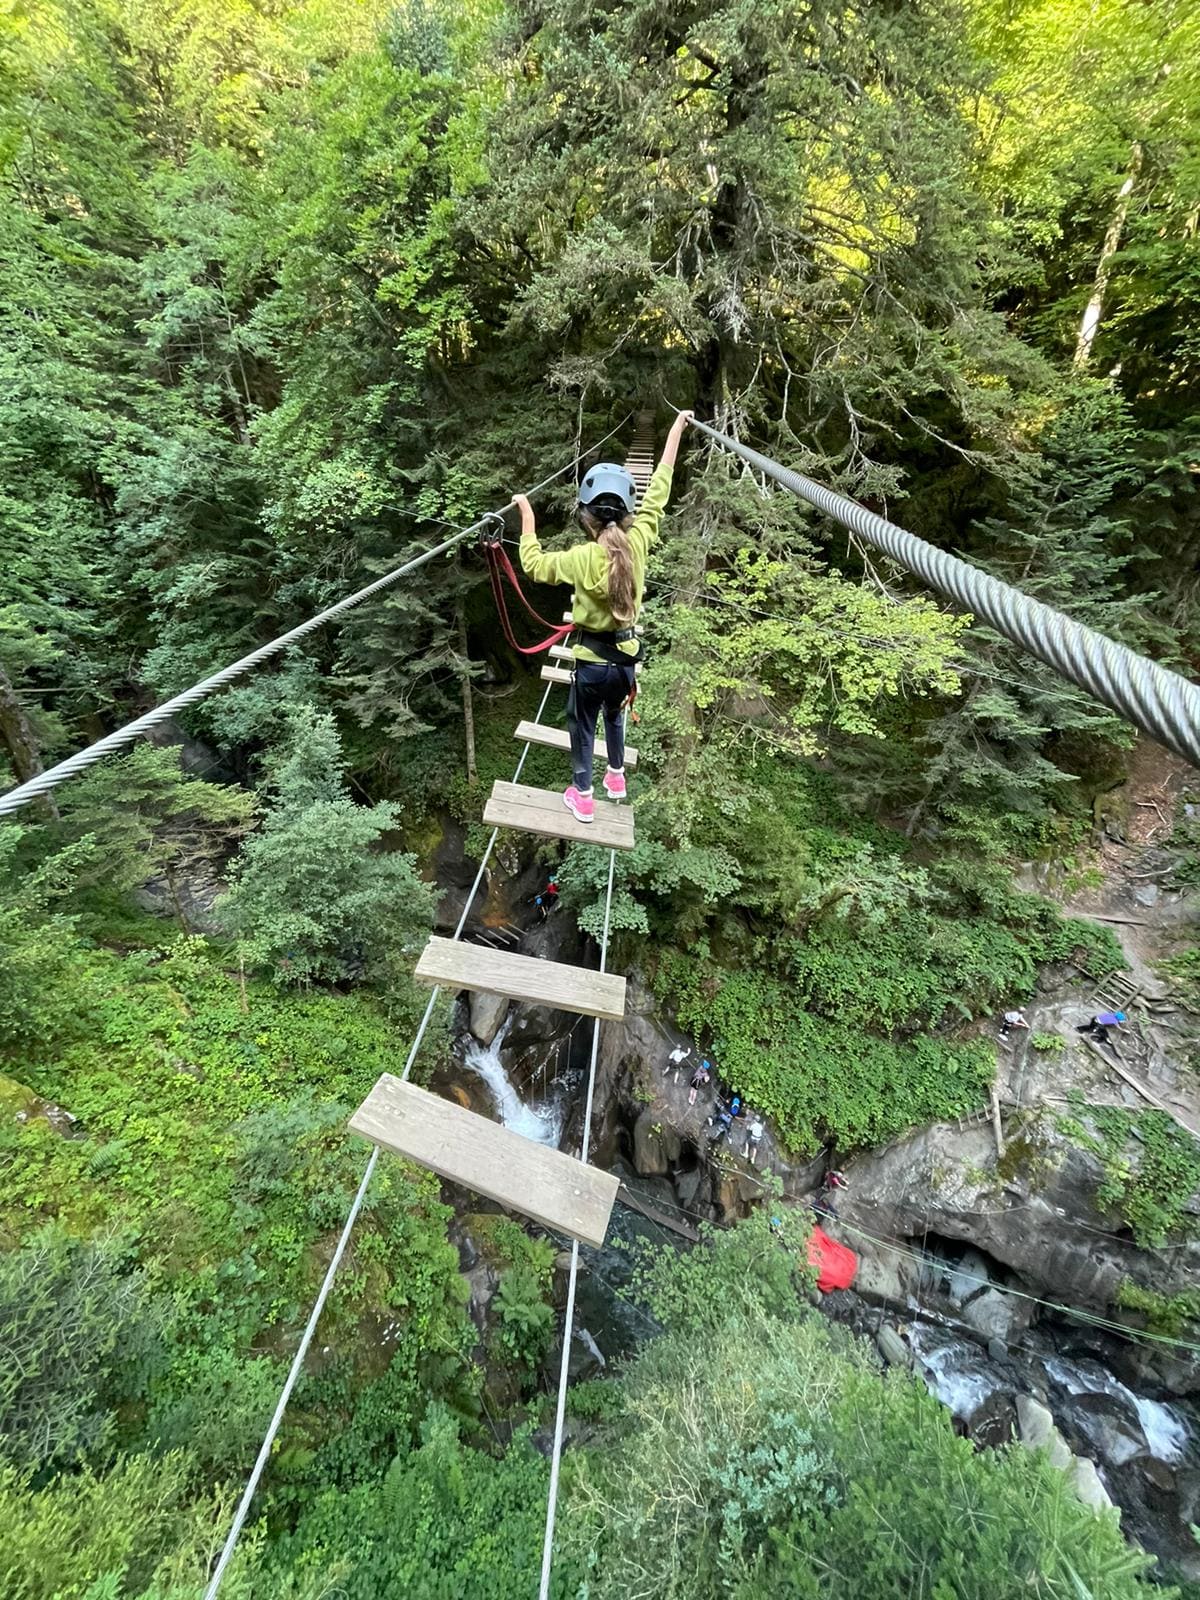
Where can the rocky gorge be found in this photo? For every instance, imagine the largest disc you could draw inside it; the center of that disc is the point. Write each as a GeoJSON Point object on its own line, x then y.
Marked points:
{"type": "Point", "coordinates": [994, 1257]}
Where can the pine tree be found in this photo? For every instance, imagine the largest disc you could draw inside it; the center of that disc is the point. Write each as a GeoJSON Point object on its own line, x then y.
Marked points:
{"type": "Point", "coordinates": [316, 896]}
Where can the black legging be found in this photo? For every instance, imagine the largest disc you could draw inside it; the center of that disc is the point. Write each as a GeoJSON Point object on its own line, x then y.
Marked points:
{"type": "Point", "coordinates": [597, 687]}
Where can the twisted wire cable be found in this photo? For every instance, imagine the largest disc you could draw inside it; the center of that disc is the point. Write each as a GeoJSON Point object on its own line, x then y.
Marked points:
{"type": "Point", "coordinates": [44, 782]}
{"type": "Point", "coordinates": [1156, 700]}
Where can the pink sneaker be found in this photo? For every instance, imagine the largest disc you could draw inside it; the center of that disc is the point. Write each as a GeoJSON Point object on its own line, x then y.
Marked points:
{"type": "Point", "coordinates": [581, 806]}
{"type": "Point", "coordinates": [614, 783]}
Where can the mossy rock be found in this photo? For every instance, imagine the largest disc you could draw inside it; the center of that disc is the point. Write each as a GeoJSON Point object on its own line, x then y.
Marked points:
{"type": "Point", "coordinates": [16, 1099]}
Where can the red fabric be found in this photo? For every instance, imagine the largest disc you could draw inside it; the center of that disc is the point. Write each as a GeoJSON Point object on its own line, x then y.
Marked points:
{"type": "Point", "coordinates": [836, 1264]}
{"type": "Point", "coordinates": [499, 566]}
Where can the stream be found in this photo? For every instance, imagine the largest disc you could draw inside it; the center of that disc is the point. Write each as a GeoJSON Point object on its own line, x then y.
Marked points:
{"type": "Point", "coordinates": [542, 1123]}
{"type": "Point", "coordinates": [1146, 1449]}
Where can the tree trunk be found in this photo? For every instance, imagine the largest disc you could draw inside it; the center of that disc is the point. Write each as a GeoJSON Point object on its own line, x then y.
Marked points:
{"type": "Point", "coordinates": [1090, 325]}
{"type": "Point", "coordinates": [467, 702]}
{"type": "Point", "coordinates": [17, 732]}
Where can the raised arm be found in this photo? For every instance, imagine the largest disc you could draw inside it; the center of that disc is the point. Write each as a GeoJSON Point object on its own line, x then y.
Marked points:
{"type": "Point", "coordinates": [543, 566]}
{"type": "Point", "coordinates": [528, 521]}
{"type": "Point", "coordinates": [658, 490]}
{"type": "Point", "coordinates": [671, 448]}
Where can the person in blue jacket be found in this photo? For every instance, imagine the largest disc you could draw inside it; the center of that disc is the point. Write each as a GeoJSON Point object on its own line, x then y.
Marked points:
{"type": "Point", "coordinates": [1099, 1026]}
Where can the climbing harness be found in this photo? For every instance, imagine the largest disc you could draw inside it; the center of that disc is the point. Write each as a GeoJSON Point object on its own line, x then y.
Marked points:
{"type": "Point", "coordinates": [501, 570]}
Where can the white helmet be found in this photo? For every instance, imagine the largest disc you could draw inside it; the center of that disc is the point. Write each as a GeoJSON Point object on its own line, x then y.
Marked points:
{"type": "Point", "coordinates": [607, 481]}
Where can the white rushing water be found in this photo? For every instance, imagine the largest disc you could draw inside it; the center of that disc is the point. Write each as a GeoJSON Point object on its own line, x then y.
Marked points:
{"type": "Point", "coordinates": [541, 1124]}
{"type": "Point", "coordinates": [1166, 1432]}
{"type": "Point", "coordinates": [954, 1369]}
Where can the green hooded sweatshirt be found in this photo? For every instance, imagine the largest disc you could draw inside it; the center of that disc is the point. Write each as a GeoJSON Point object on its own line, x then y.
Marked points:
{"type": "Point", "coordinates": [585, 566]}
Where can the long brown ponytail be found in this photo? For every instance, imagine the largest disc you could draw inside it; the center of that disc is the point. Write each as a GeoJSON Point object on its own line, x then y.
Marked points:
{"type": "Point", "coordinates": [611, 537]}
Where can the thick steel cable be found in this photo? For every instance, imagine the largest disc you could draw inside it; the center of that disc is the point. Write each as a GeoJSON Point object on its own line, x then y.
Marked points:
{"type": "Point", "coordinates": [264, 1453]}
{"type": "Point", "coordinates": [73, 765]}
{"type": "Point", "coordinates": [1156, 700]}
{"type": "Point", "coordinates": [569, 1320]}
{"type": "Point", "coordinates": [46, 781]}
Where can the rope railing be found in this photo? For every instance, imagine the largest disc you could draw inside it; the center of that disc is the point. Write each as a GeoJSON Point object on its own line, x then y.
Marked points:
{"type": "Point", "coordinates": [1156, 700]}
{"type": "Point", "coordinates": [306, 1338]}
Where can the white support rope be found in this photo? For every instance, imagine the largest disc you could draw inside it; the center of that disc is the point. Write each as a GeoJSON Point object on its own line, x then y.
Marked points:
{"type": "Point", "coordinates": [569, 1320]}
{"type": "Point", "coordinates": [264, 1453]}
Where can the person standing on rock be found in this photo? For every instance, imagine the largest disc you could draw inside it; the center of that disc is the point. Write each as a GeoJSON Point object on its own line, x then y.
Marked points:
{"type": "Point", "coordinates": [724, 1120]}
{"type": "Point", "coordinates": [825, 1205]}
{"type": "Point", "coordinates": [1012, 1019]}
{"type": "Point", "coordinates": [754, 1135]}
{"type": "Point", "coordinates": [608, 573]}
{"type": "Point", "coordinates": [676, 1059]}
{"type": "Point", "coordinates": [699, 1080]}
{"type": "Point", "coordinates": [1099, 1026]}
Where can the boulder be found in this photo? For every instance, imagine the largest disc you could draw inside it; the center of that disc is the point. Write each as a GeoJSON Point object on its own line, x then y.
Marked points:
{"type": "Point", "coordinates": [996, 1315]}
{"type": "Point", "coordinates": [1158, 1475]}
{"type": "Point", "coordinates": [892, 1347]}
{"type": "Point", "coordinates": [736, 1190]}
{"type": "Point", "coordinates": [655, 1145]}
{"type": "Point", "coordinates": [687, 1185]}
{"type": "Point", "coordinates": [1188, 1482]}
{"type": "Point", "coordinates": [21, 1104]}
{"type": "Point", "coordinates": [483, 1283]}
{"type": "Point", "coordinates": [1036, 1211]}
{"type": "Point", "coordinates": [585, 1360]}
{"type": "Point", "coordinates": [968, 1277]}
{"type": "Point", "coordinates": [1036, 1431]}
{"type": "Point", "coordinates": [486, 1013]}
{"type": "Point", "coordinates": [882, 1273]}
{"type": "Point", "coordinates": [1110, 1426]}
{"type": "Point", "coordinates": [993, 1422]}
{"type": "Point", "coordinates": [1085, 1481]}
{"type": "Point", "coordinates": [537, 1024]}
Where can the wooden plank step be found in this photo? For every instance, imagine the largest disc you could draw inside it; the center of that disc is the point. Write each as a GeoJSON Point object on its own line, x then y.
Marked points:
{"type": "Point", "coordinates": [568, 616]}
{"type": "Point", "coordinates": [517, 805]}
{"type": "Point", "coordinates": [561, 652]}
{"type": "Point", "coordinates": [553, 1188]}
{"type": "Point", "coordinates": [454, 965]}
{"type": "Point", "coordinates": [560, 739]}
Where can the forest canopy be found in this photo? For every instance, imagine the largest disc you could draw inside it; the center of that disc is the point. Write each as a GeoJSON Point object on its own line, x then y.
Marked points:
{"type": "Point", "coordinates": [288, 291]}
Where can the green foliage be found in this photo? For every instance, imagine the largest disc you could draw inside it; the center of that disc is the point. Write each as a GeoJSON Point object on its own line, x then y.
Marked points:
{"type": "Point", "coordinates": [806, 1472]}
{"type": "Point", "coordinates": [526, 1320]}
{"type": "Point", "coordinates": [1151, 1167]}
{"type": "Point", "coordinates": [595, 1400]}
{"type": "Point", "coordinates": [144, 817]}
{"type": "Point", "coordinates": [523, 1302]}
{"type": "Point", "coordinates": [286, 289]}
{"type": "Point", "coordinates": [315, 896]}
{"type": "Point", "coordinates": [136, 1532]}
{"type": "Point", "coordinates": [446, 1521]}
{"type": "Point", "coordinates": [819, 1079]}
{"type": "Point", "coordinates": [1050, 1044]}
{"type": "Point", "coordinates": [37, 1000]}
{"type": "Point", "coordinates": [1171, 1315]}
{"type": "Point", "coordinates": [79, 1324]}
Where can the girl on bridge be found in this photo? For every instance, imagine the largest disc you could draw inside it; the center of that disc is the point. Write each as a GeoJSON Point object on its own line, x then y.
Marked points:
{"type": "Point", "coordinates": [608, 574]}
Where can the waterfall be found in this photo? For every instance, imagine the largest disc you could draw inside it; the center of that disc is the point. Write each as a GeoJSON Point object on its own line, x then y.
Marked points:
{"type": "Point", "coordinates": [541, 1124]}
